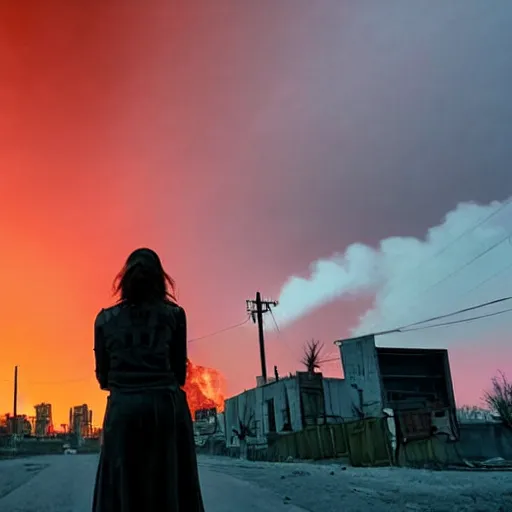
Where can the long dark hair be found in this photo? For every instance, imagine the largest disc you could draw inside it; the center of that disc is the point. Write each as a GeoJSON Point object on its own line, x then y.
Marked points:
{"type": "Point", "coordinates": [143, 279]}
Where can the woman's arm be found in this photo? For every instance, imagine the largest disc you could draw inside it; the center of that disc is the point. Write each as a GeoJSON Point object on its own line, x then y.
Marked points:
{"type": "Point", "coordinates": [100, 352]}
{"type": "Point", "coordinates": [179, 359]}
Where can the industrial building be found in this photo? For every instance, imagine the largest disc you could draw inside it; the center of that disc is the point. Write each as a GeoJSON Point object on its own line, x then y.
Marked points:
{"type": "Point", "coordinates": [19, 424]}
{"type": "Point", "coordinates": [80, 420]}
{"type": "Point", "coordinates": [43, 421]}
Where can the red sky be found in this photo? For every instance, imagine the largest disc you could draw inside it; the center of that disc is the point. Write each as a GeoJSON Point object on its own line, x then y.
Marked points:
{"type": "Point", "coordinates": [181, 126]}
{"type": "Point", "coordinates": [102, 151]}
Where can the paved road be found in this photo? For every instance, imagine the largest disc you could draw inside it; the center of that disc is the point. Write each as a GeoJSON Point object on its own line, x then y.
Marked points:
{"type": "Point", "coordinates": [64, 484]}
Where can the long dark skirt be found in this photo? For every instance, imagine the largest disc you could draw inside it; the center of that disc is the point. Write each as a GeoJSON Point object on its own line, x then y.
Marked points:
{"type": "Point", "coordinates": [148, 460]}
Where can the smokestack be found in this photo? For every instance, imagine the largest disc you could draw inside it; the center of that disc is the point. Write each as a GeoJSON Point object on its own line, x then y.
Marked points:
{"type": "Point", "coordinates": [15, 405]}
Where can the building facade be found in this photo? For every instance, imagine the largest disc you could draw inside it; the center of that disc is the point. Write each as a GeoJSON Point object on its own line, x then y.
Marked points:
{"type": "Point", "coordinates": [413, 384]}
{"type": "Point", "coordinates": [19, 425]}
{"type": "Point", "coordinates": [81, 420]}
{"type": "Point", "coordinates": [286, 405]}
{"type": "Point", "coordinates": [43, 424]}
{"type": "Point", "coordinates": [395, 378]}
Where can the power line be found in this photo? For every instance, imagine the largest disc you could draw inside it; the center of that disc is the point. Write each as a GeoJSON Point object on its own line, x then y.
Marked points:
{"type": "Point", "coordinates": [460, 311]}
{"type": "Point", "coordinates": [70, 381]}
{"type": "Point", "coordinates": [404, 329]}
{"type": "Point", "coordinates": [461, 321]}
{"type": "Point", "coordinates": [275, 321]}
{"type": "Point", "coordinates": [481, 254]}
{"type": "Point", "coordinates": [221, 330]}
{"type": "Point", "coordinates": [472, 228]}
{"type": "Point", "coordinates": [450, 244]}
{"type": "Point", "coordinates": [467, 264]}
{"type": "Point", "coordinates": [490, 278]}
{"type": "Point", "coordinates": [411, 327]}
{"type": "Point", "coordinates": [454, 241]}
{"type": "Point", "coordinates": [280, 334]}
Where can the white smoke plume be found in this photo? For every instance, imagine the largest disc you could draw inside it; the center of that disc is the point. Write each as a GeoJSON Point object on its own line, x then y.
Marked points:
{"type": "Point", "coordinates": [465, 260]}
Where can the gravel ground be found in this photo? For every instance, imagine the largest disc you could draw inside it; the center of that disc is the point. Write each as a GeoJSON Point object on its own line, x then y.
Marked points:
{"type": "Point", "coordinates": [332, 487]}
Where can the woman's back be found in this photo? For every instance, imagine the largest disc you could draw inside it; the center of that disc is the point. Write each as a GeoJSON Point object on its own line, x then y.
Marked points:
{"type": "Point", "coordinates": [141, 347]}
{"type": "Point", "coordinates": [148, 459]}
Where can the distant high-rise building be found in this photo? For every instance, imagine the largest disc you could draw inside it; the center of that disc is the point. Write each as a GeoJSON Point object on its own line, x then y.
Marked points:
{"type": "Point", "coordinates": [19, 424]}
{"type": "Point", "coordinates": [81, 420]}
{"type": "Point", "coordinates": [44, 422]}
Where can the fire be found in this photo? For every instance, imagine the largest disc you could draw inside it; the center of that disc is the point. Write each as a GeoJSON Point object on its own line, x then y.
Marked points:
{"type": "Point", "coordinates": [205, 388]}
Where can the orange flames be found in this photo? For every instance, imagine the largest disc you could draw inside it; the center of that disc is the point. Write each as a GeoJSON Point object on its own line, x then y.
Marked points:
{"type": "Point", "coordinates": [205, 388]}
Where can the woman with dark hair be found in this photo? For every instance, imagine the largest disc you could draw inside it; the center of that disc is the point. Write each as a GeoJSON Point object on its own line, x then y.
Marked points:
{"type": "Point", "coordinates": [148, 460]}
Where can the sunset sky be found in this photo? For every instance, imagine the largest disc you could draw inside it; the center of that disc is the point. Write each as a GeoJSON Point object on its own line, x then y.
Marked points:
{"type": "Point", "coordinates": [242, 140]}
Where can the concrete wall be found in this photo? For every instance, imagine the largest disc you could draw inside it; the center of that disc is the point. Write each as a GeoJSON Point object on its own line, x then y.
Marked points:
{"type": "Point", "coordinates": [338, 396]}
{"type": "Point", "coordinates": [480, 441]}
{"type": "Point", "coordinates": [361, 369]}
{"type": "Point", "coordinates": [238, 408]}
{"type": "Point", "coordinates": [253, 402]}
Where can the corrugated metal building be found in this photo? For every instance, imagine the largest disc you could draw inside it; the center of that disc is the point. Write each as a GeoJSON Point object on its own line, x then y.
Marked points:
{"type": "Point", "coordinates": [286, 405]}
{"type": "Point", "coordinates": [395, 378]}
{"type": "Point", "coordinates": [338, 405]}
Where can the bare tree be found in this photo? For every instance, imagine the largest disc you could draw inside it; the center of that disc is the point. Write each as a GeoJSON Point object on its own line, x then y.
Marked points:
{"type": "Point", "coordinates": [311, 358]}
{"type": "Point", "coordinates": [499, 399]}
{"type": "Point", "coordinates": [246, 429]}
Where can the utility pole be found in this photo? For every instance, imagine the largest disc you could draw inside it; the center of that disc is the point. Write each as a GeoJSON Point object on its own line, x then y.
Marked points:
{"type": "Point", "coordinates": [15, 406]}
{"type": "Point", "coordinates": [256, 308]}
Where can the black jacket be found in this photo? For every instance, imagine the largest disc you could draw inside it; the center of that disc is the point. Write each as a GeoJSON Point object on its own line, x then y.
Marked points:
{"type": "Point", "coordinates": [141, 347]}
